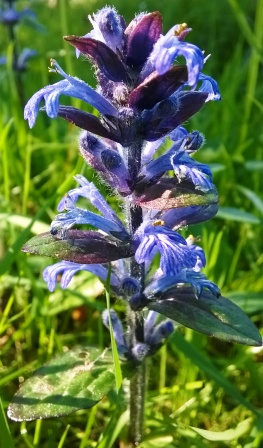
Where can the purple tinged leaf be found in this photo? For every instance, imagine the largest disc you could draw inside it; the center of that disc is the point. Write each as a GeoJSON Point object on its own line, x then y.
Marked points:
{"type": "Point", "coordinates": [168, 193]}
{"type": "Point", "coordinates": [87, 121]}
{"type": "Point", "coordinates": [217, 317]}
{"type": "Point", "coordinates": [156, 88]}
{"type": "Point", "coordinates": [106, 59]}
{"type": "Point", "coordinates": [142, 38]}
{"type": "Point", "coordinates": [158, 124]}
{"type": "Point", "coordinates": [78, 246]}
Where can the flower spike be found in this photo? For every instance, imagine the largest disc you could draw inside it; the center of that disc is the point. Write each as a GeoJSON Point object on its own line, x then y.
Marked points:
{"type": "Point", "coordinates": [144, 157]}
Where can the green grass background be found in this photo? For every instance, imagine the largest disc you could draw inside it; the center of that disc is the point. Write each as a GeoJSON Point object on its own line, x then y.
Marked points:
{"type": "Point", "coordinates": [194, 381]}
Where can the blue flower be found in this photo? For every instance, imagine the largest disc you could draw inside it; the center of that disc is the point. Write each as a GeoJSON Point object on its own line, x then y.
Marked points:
{"type": "Point", "coordinates": [178, 159]}
{"type": "Point", "coordinates": [166, 50]}
{"type": "Point", "coordinates": [109, 222]}
{"type": "Point", "coordinates": [10, 16]}
{"type": "Point", "coordinates": [175, 253]}
{"type": "Point", "coordinates": [137, 88]}
{"type": "Point", "coordinates": [108, 27]}
{"type": "Point", "coordinates": [68, 269]}
{"type": "Point", "coordinates": [117, 330]}
{"type": "Point", "coordinates": [70, 86]}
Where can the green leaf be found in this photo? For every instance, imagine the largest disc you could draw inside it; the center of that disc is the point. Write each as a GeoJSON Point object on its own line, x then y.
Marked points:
{"type": "Point", "coordinates": [254, 165]}
{"type": "Point", "coordinates": [252, 196]}
{"type": "Point", "coordinates": [234, 214]}
{"type": "Point", "coordinates": [116, 360]}
{"type": "Point", "coordinates": [214, 316]}
{"type": "Point", "coordinates": [5, 436]}
{"type": "Point", "coordinates": [250, 302]}
{"type": "Point", "coordinates": [228, 435]}
{"type": "Point", "coordinates": [77, 379]}
{"type": "Point", "coordinates": [165, 441]}
{"type": "Point", "coordinates": [79, 246]}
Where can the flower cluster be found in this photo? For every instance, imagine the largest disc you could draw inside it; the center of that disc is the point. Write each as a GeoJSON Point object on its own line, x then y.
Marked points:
{"type": "Point", "coordinates": [143, 98]}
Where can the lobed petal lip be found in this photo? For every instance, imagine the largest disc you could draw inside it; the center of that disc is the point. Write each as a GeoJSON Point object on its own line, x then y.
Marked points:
{"type": "Point", "coordinates": [165, 51]}
{"type": "Point", "coordinates": [88, 190]}
{"type": "Point", "coordinates": [174, 251]}
{"type": "Point", "coordinates": [210, 86]}
{"type": "Point", "coordinates": [70, 86]}
{"type": "Point", "coordinates": [170, 50]}
{"type": "Point", "coordinates": [68, 269]}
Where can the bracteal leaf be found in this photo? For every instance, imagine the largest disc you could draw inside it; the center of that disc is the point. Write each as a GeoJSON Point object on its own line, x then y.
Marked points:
{"type": "Point", "coordinates": [167, 193]}
{"type": "Point", "coordinates": [79, 246]}
{"type": "Point", "coordinates": [211, 315]}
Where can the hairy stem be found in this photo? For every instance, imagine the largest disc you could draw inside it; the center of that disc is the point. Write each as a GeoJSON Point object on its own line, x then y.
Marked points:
{"type": "Point", "coordinates": [135, 323]}
{"type": "Point", "coordinates": [137, 398]}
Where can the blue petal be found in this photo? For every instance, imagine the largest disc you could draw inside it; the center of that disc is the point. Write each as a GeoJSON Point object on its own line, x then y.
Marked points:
{"type": "Point", "coordinates": [110, 223]}
{"type": "Point", "coordinates": [161, 164]}
{"type": "Point", "coordinates": [187, 168]}
{"type": "Point", "coordinates": [197, 280]}
{"type": "Point", "coordinates": [174, 252]}
{"type": "Point", "coordinates": [168, 48]}
{"type": "Point", "coordinates": [68, 269]}
{"type": "Point", "coordinates": [23, 57]}
{"type": "Point", "coordinates": [117, 330]}
{"type": "Point", "coordinates": [160, 333]}
{"type": "Point", "coordinates": [209, 85]}
{"type": "Point", "coordinates": [184, 216]}
{"type": "Point", "coordinates": [76, 215]}
{"type": "Point", "coordinates": [108, 27]}
{"type": "Point", "coordinates": [177, 158]}
{"type": "Point", "coordinates": [149, 149]}
{"type": "Point", "coordinates": [70, 86]}
{"type": "Point", "coordinates": [89, 191]}
{"type": "Point", "coordinates": [149, 323]}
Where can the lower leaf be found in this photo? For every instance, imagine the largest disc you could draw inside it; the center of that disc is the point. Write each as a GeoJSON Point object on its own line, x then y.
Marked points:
{"type": "Point", "coordinates": [77, 379]}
